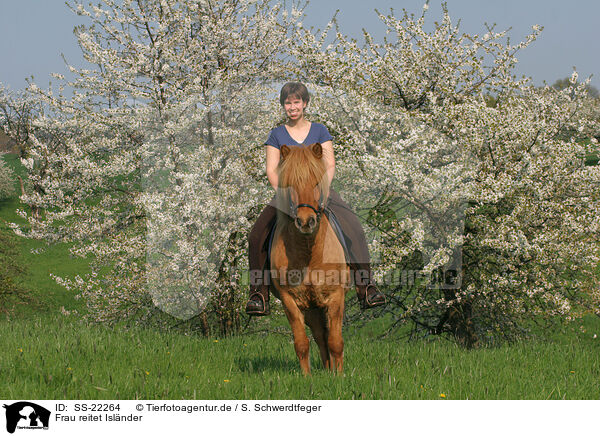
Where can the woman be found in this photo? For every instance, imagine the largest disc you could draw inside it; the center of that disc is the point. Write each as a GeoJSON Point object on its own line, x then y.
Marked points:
{"type": "Point", "coordinates": [298, 131]}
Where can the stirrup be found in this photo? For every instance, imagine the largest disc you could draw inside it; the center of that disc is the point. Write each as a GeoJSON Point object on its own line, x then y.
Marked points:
{"type": "Point", "coordinates": [379, 298]}
{"type": "Point", "coordinates": [266, 310]}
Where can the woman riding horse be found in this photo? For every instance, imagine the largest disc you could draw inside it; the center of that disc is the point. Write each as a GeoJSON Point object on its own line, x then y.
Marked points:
{"type": "Point", "coordinates": [298, 131]}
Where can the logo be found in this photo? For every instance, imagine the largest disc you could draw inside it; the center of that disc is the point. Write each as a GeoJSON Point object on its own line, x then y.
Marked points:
{"type": "Point", "coordinates": [26, 415]}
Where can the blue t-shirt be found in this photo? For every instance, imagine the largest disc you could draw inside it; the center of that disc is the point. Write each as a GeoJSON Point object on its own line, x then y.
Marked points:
{"type": "Point", "coordinates": [279, 136]}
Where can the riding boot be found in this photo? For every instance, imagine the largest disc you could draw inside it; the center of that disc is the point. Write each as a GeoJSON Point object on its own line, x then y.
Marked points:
{"type": "Point", "coordinates": [359, 260]}
{"type": "Point", "coordinates": [258, 260]}
{"type": "Point", "coordinates": [258, 303]}
{"type": "Point", "coordinates": [367, 293]}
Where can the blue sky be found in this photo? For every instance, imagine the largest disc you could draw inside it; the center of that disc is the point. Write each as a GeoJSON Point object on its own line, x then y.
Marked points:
{"type": "Point", "coordinates": [34, 33]}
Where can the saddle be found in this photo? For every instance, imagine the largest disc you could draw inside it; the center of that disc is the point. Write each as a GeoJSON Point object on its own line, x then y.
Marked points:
{"type": "Point", "coordinates": [337, 229]}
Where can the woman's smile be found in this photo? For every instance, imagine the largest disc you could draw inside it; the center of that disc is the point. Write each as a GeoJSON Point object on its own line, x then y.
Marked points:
{"type": "Point", "coordinates": [294, 107]}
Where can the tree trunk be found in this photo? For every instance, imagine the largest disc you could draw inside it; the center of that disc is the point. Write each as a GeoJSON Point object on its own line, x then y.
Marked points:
{"type": "Point", "coordinates": [22, 187]}
{"type": "Point", "coordinates": [458, 320]}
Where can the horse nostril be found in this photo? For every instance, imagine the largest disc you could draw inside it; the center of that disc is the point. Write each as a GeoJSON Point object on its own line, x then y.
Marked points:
{"type": "Point", "coordinates": [298, 222]}
{"type": "Point", "coordinates": [312, 221]}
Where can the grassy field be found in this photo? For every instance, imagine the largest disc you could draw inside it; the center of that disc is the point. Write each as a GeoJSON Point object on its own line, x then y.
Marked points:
{"type": "Point", "coordinates": [56, 358]}
{"type": "Point", "coordinates": [48, 356]}
{"type": "Point", "coordinates": [38, 258]}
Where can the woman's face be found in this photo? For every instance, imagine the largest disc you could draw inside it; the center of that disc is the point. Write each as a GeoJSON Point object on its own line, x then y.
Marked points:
{"type": "Point", "coordinates": [294, 107]}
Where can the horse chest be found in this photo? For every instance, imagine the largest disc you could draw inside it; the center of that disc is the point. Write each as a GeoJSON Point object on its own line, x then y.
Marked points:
{"type": "Point", "coordinates": [308, 296]}
{"type": "Point", "coordinates": [310, 284]}
{"type": "Point", "coordinates": [312, 274]}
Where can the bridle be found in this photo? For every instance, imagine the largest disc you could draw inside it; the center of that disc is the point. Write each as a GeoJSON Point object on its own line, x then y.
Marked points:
{"type": "Point", "coordinates": [294, 208]}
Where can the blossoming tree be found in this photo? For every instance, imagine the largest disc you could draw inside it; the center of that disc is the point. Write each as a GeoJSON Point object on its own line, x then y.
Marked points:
{"type": "Point", "coordinates": [154, 163]}
{"type": "Point", "coordinates": [466, 170]}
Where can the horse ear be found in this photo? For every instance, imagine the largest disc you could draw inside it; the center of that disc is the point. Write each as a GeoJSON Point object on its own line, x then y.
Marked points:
{"type": "Point", "coordinates": [284, 151]}
{"type": "Point", "coordinates": [317, 149]}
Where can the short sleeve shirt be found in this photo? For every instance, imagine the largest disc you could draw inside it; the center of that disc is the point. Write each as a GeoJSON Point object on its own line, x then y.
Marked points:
{"type": "Point", "coordinates": [279, 136]}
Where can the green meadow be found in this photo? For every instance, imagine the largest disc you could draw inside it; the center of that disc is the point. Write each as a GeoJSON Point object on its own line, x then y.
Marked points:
{"type": "Point", "coordinates": [46, 355]}
{"type": "Point", "coordinates": [52, 358]}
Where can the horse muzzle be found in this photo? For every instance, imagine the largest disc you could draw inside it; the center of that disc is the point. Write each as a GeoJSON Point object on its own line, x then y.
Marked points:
{"type": "Point", "coordinates": [306, 226]}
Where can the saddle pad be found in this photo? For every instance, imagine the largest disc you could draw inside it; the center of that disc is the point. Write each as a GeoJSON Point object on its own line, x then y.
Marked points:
{"type": "Point", "coordinates": [337, 229]}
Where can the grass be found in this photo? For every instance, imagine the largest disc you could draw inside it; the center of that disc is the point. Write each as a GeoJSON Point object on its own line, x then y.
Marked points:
{"type": "Point", "coordinates": [54, 259]}
{"type": "Point", "coordinates": [58, 358]}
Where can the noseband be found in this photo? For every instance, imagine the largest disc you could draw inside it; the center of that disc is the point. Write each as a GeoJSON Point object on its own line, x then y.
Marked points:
{"type": "Point", "coordinates": [294, 208]}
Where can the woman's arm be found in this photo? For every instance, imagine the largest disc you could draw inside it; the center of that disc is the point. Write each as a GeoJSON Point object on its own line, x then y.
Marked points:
{"type": "Point", "coordinates": [272, 162]}
{"type": "Point", "coordinates": [329, 157]}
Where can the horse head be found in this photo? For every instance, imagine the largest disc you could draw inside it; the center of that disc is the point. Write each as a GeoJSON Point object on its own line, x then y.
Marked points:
{"type": "Point", "coordinates": [303, 186]}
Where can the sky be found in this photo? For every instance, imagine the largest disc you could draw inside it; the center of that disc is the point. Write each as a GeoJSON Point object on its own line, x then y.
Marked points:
{"type": "Point", "coordinates": [34, 33]}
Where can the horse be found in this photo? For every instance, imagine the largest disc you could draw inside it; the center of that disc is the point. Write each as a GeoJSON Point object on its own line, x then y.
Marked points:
{"type": "Point", "coordinates": [308, 265]}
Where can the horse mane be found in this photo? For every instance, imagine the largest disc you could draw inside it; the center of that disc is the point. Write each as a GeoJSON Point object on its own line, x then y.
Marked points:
{"type": "Point", "coordinates": [299, 168]}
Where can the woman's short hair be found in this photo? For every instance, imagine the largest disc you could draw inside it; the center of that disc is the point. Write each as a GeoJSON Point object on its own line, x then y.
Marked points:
{"type": "Point", "coordinates": [294, 89]}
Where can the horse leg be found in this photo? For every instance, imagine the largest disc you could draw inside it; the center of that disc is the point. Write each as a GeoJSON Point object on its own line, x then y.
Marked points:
{"type": "Point", "coordinates": [317, 321]}
{"type": "Point", "coordinates": [335, 342]}
{"type": "Point", "coordinates": [301, 343]}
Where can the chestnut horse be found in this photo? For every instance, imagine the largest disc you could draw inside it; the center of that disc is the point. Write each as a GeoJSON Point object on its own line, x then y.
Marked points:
{"type": "Point", "coordinates": [308, 265]}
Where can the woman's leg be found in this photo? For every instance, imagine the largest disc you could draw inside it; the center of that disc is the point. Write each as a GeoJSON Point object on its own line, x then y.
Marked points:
{"type": "Point", "coordinates": [360, 264]}
{"type": "Point", "coordinates": [258, 303]}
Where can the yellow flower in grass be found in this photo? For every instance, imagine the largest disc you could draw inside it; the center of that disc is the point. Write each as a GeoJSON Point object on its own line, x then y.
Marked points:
{"type": "Point", "coordinates": [216, 340]}
{"type": "Point", "coordinates": [442, 395]}
{"type": "Point", "coordinates": [226, 381]}
{"type": "Point", "coordinates": [20, 350]}
{"type": "Point", "coordinates": [147, 372]}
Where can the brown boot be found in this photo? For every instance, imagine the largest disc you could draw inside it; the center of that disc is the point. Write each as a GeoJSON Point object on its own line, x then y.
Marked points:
{"type": "Point", "coordinates": [371, 297]}
{"type": "Point", "coordinates": [258, 304]}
